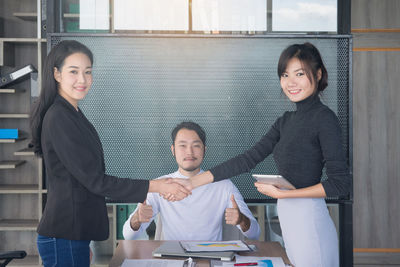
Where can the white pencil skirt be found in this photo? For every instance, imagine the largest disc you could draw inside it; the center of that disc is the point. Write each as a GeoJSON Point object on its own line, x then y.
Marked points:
{"type": "Point", "coordinates": [308, 232]}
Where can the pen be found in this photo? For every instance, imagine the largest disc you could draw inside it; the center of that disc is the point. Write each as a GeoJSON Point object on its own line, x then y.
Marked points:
{"type": "Point", "coordinates": [246, 264]}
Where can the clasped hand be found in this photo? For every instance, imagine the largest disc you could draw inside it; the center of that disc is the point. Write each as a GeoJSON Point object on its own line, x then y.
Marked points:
{"type": "Point", "coordinates": [269, 190]}
{"type": "Point", "coordinates": [175, 189]}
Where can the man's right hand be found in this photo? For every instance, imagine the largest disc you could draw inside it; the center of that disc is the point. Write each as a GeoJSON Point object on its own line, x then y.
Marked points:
{"type": "Point", "coordinates": [142, 215]}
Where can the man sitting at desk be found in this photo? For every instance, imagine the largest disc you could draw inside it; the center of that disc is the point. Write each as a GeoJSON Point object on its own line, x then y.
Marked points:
{"type": "Point", "coordinates": [200, 215]}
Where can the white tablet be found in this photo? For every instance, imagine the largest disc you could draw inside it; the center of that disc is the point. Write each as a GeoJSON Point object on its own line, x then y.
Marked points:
{"type": "Point", "coordinates": [275, 180]}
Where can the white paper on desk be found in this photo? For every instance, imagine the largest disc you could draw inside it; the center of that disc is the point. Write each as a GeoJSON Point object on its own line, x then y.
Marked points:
{"type": "Point", "coordinates": [276, 261]}
{"type": "Point", "coordinates": [214, 246]}
{"type": "Point", "coordinates": [152, 263]}
{"type": "Point", "coordinates": [94, 14]}
{"type": "Point", "coordinates": [216, 263]}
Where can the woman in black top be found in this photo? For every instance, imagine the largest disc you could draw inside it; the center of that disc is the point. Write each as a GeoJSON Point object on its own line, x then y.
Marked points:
{"type": "Point", "coordinates": [302, 142]}
{"type": "Point", "coordinates": [77, 185]}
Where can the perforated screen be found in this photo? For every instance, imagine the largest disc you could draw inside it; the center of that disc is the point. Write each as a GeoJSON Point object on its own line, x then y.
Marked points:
{"type": "Point", "coordinates": [145, 85]}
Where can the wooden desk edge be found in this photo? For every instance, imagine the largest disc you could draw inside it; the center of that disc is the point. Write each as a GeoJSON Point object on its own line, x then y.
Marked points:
{"type": "Point", "coordinates": [142, 249]}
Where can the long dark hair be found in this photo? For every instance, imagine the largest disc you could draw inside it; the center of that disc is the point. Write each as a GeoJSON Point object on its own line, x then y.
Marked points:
{"type": "Point", "coordinates": [49, 90]}
{"type": "Point", "coordinates": [311, 60]}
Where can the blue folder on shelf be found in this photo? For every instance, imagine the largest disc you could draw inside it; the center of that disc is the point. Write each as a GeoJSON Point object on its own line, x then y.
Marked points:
{"type": "Point", "coordinates": [8, 133]}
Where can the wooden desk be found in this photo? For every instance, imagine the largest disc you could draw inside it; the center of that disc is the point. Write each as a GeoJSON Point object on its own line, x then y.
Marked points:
{"type": "Point", "coordinates": [142, 249]}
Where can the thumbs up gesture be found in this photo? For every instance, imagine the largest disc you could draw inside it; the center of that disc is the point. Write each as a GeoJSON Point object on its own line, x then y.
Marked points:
{"type": "Point", "coordinates": [145, 212]}
{"type": "Point", "coordinates": [142, 215]}
{"type": "Point", "coordinates": [233, 215]}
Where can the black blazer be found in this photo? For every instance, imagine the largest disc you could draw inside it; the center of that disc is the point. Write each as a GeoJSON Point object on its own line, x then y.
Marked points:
{"type": "Point", "coordinates": [76, 181]}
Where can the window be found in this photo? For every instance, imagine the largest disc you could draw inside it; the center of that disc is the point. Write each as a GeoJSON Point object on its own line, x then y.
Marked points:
{"type": "Point", "coordinates": [158, 15]}
{"type": "Point", "coordinates": [304, 15]}
{"type": "Point", "coordinates": [229, 15]}
{"type": "Point", "coordinates": [203, 16]}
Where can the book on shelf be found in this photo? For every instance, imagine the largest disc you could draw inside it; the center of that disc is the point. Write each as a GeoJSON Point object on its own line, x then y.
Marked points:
{"type": "Point", "coordinates": [122, 215]}
{"type": "Point", "coordinates": [15, 75]}
{"type": "Point", "coordinates": [34, 87]}
{"type": "Point", "coordinates": [9, 133]}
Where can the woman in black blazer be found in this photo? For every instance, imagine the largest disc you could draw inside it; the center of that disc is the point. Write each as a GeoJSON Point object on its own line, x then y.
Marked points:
{"type": "Point", "coordinates": [75, 211]}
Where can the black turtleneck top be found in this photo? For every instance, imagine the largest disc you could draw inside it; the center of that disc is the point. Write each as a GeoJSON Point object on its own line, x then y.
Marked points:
{"type": "Point", "coordinates": [302, 142]}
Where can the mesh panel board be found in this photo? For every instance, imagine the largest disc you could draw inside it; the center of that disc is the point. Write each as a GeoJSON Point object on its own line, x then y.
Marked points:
{"type": "Point", "coordinates": [145, 85]}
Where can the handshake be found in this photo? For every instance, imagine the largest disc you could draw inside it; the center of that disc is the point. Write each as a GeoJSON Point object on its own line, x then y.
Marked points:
{"type": "Point", "coordinates": [172, 189]}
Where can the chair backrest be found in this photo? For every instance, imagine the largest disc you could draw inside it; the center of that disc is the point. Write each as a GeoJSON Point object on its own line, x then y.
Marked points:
{"type": "Point", "coordinates": [159, 235]}
{"type": "Point", "coordinates": [231, 232]}
{"type": "Point", "coordinates": [10, 255]}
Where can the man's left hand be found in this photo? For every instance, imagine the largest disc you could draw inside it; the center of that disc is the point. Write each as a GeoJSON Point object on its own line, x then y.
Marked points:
{"type": "Point", "coordinates": [233, 215]}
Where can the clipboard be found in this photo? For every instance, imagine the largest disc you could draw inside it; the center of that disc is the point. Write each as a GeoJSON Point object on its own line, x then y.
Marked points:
{"type": "Point", "coordinates": [215, 246]}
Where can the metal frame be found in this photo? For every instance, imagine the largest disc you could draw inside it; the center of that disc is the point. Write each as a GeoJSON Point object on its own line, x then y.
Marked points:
{"type": "Point", "coordinates": [345, 205]}
{"type": "Point", "coordinates": [344, 17]}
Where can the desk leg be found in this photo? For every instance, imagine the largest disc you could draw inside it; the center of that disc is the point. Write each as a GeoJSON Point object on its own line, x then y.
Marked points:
{"type": "Point", "coordinates": [346, 234]}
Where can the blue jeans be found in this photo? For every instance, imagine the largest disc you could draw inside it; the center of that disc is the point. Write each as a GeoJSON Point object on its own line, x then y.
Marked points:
{"type": "Point", "coordinates": [63, 252]}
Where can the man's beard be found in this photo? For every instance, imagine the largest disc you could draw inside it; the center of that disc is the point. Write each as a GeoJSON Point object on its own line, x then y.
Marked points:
{"type": "Point", "coordinates": [190, 169]}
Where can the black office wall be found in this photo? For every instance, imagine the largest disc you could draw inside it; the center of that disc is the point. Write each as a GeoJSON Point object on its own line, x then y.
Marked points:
{"type": "Point", "coordinates": [145, 85]}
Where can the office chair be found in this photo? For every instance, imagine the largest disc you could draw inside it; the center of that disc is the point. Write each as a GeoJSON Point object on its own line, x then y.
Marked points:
{"type": "Point", "coordinates": [159, 235]}
{"type": "Point", "coordinates": [10, 255]}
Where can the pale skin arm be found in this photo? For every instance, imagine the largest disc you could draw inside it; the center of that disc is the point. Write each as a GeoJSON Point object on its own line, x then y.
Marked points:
{"type": "Point", "coordinates": [315, 191]}
{"type": "Point", "coordinates": [191, 183]}
{"type": "Point", "coordinates": [201, 179]}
